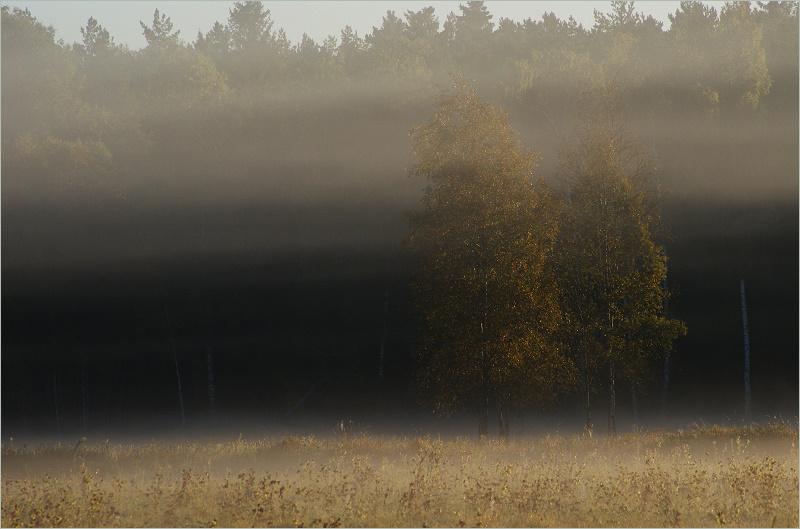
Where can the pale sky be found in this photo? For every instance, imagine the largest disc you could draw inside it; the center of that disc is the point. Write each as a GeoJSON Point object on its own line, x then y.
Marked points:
{"type": "Point", "coordinates": [317, 18]}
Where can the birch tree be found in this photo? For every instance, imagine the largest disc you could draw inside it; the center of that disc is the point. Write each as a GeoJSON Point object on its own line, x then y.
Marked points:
{"type": "Point", "coordinates": [611, 266]}
{"type": "Point", "coordinates": [482, 241]}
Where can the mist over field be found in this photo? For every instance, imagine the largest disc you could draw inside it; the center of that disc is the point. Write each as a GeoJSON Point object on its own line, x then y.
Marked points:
{"type": "Point", "coordinates": [235, 205]}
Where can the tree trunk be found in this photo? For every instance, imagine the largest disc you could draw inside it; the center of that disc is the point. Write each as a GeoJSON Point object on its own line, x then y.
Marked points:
{"type": "Point", "coordinates": [383, 339]}
{"type": "Point", "coordinates": [22, 395]}
{"type": "Point", "coordinates": [55, 402]}
{"type": "Point", "coordinates": [107, 411]}
{"type": "Point", "coordinates": [633, 384]}
{"type": "Point", "coordinates": [121, 392]}
{"type": "Point", "coordinates": [746, 355]}
{"type": "Point", "coordinates": [502, 423]}
{"type": "Point", "coordinates": [177, 370]}
{"type": "Point", "coordinates": [665, 387]}
{"type": "Point", "coordinates": [212, 394]}
{"type": "Point", "coordinates": [483, 413]}
{"type": "Point", "coordinates": [586, 389]}
{"type": "Point", "coordinates": [483, 419]}
{"type": "Point", "coordinates": [85, 394]}
{"type": "Point", "coordinates": [209, 320]}
{"type": "Point", "coordinates": [589, 427]}
{"type": "Point", "coordinates": [612, 405]}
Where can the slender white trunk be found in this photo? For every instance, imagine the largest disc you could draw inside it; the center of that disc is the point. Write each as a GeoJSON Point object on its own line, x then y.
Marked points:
{"type": "Point", "coordinates": [633, 384]}
{"type": "Point", "coordinates": [589, 427]}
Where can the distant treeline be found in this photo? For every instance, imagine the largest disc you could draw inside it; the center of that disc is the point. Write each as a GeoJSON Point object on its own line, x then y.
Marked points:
{"type": "Point", "coordinates": [253, 188]}
{"type": "Point", "coordinates": [95, 112]}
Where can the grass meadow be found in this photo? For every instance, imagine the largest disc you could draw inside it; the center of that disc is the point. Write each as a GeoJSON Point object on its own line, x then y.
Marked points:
{"type": "Point", "coordinates": [700, 476]}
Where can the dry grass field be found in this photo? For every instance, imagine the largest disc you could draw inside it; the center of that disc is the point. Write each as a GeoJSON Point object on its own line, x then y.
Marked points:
{"type": "Point", "coordinates": [700, 476]}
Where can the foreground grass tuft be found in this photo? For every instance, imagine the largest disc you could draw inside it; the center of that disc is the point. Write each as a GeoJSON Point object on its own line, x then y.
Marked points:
{"type": "Point", "coordinates": [699, 476]}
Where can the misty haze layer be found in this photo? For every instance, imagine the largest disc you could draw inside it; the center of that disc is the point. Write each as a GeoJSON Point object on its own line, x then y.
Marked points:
{"type": "Point", "coordinates": [254, 190]}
